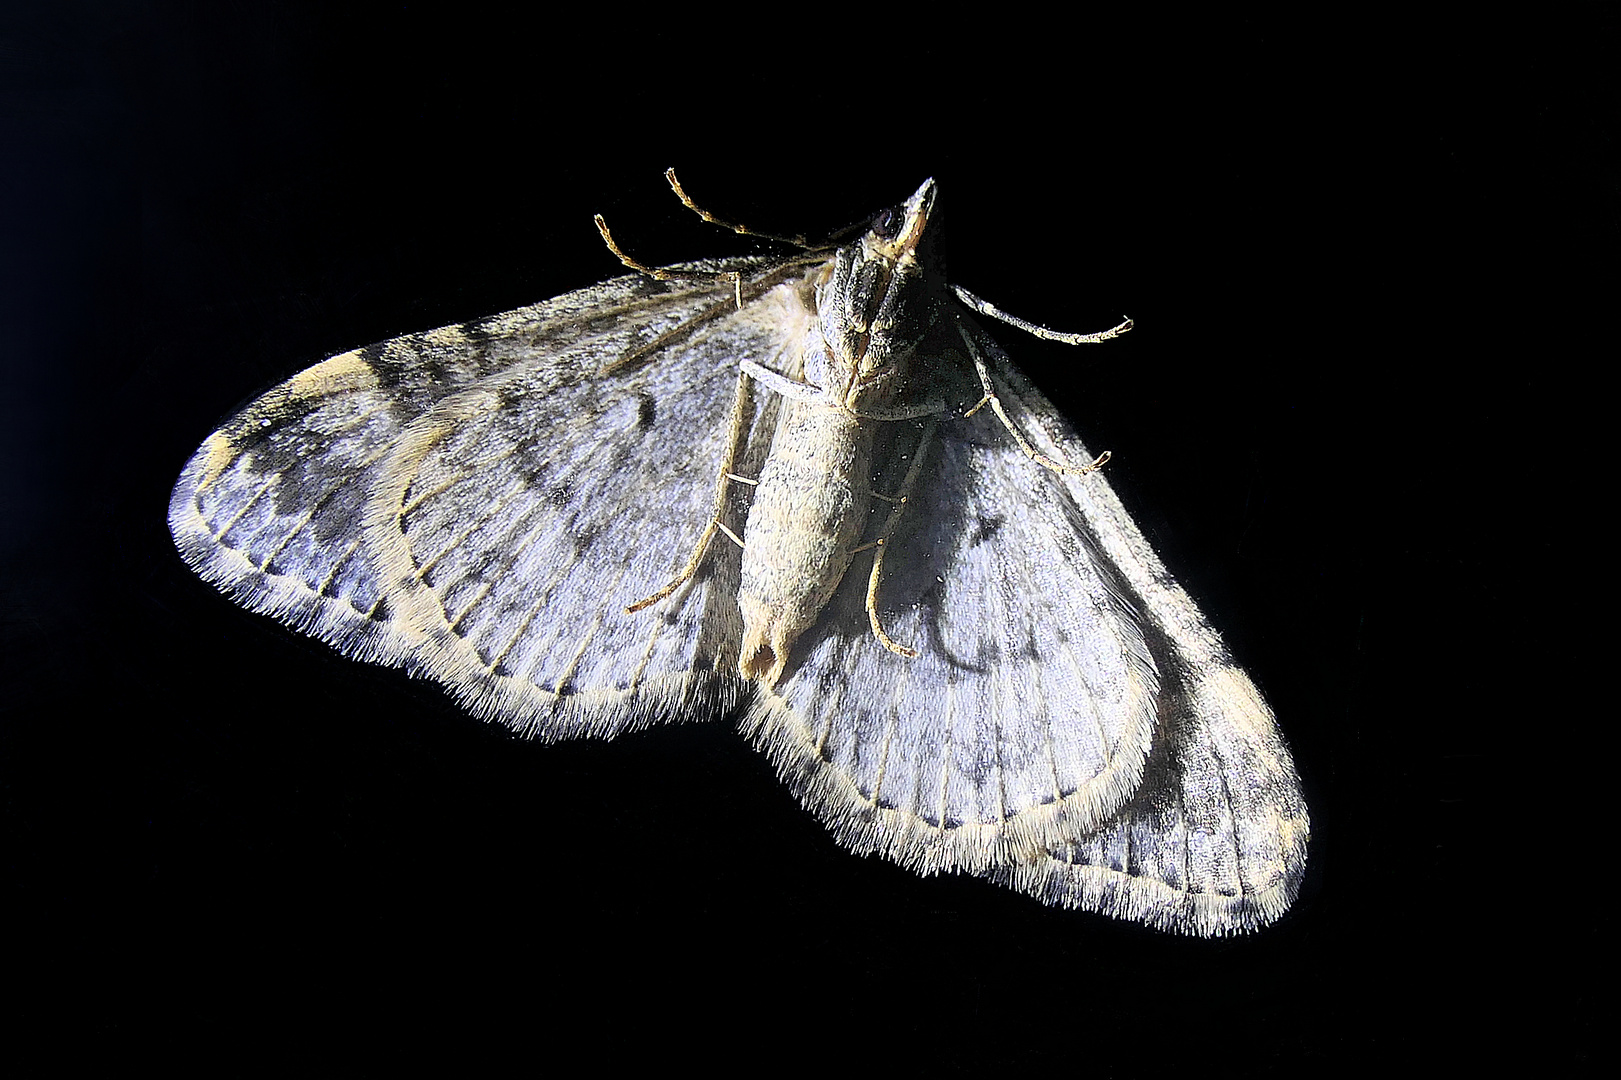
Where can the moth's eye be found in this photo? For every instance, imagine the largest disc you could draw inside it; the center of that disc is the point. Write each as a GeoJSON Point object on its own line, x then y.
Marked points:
{"type": "Point", "coordinates": [888, 223]}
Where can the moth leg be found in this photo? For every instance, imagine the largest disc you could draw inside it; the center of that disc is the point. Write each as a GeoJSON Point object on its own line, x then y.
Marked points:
{"type": "Point", "coordinates": [985, 307]}
{"type": "Point", "coordinates": [740, 418]}
{"type": "Point", "coordinates": [782, 384]}
{"type": "Point", "coordinates": [881, 544]}
{"type": "Point", "coordinates": [801, 391]}
{"type": "Point", "coordinates": [995, 403]}
{"type": "Point", "coordinates": [930, 407]}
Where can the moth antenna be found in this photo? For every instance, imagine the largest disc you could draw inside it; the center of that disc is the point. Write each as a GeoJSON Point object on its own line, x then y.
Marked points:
{"type": "Point", "coordinates": [741, 230]}
{"type": "Point", "coordinates": [985, 307]}
{"type": "Point", "coordinates": [641, 268]}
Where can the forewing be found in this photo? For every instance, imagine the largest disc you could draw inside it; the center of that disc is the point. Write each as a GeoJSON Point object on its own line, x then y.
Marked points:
{"type": "Point", "coordinates": [269, 507]}
{"type": "Point", "coordinates": [1026, 716]}
{"type": "Point", "coordinates": [482, 501]}
{"type": "Point", "coordinates": [1214, 839]}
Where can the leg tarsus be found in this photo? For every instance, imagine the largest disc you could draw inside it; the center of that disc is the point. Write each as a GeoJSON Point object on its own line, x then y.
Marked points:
{"type": "Point", "coordinates": [881, 544]}
{"type": "Point", "coordinates": [995, 402]}
{"type": "Point", "coordinates": [740, 408]}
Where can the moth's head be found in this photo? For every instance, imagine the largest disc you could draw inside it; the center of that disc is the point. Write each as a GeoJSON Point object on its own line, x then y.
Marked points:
{"type": "Point", "coordinates": [880, 300]}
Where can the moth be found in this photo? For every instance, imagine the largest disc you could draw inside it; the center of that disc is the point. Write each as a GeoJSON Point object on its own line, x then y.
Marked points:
{"type": "Point", "coordinates": [810, 493]}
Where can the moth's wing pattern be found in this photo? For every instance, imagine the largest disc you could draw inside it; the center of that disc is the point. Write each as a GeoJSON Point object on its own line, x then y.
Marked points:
{"type": "Point", "coordinates": [480, 503]}
{"type": "Point", "coordinates": [269, 507]}
{"type": "Point", "coordinates": [1070, 727]}
{"type": "Point", "coordinates": [419, 502]}
{"type": "Point", "coordinates": [1214, 839]}
{"type": "Point", "coordinates": [1028, 714]}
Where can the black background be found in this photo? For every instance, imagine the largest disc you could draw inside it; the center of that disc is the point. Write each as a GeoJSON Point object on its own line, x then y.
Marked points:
{"type": "Point", "coordinates": [1355, 253]}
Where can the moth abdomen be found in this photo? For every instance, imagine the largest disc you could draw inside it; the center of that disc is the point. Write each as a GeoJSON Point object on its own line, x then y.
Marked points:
{"type": "Point", "coordinates": [807, 519]}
